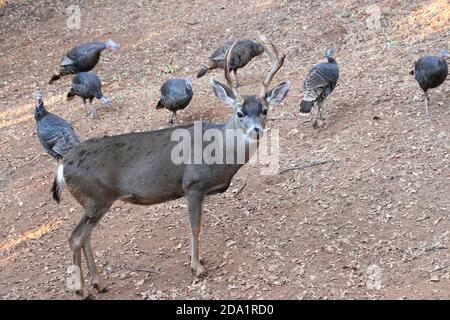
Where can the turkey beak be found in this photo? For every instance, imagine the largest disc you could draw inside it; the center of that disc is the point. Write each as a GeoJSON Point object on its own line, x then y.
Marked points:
{"type": "Point", "coordinates": [38, 98]}
{"type": "Point", "coordinates": [114, 47]}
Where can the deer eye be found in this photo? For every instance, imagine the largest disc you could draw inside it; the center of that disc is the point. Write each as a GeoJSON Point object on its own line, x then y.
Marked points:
{"type": "Point", "coordinates": [240, 114]}
{"type": "Point", "coordinates": [264, 112]}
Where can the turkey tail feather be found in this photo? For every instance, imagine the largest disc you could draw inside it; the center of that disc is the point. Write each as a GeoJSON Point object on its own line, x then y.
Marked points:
{"type": "Point", "coordinates": [70, 95]}
{"type": "Point", "coordinates": [159, 105]}
{"type": "Point", "coordinates": [54, 78]}
{"type": "Point", "coordinates": [306, 106]}
{"type": "Point", "coordinates": [202, 72]}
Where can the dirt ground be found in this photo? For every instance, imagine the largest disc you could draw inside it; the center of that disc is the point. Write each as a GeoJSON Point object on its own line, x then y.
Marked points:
{"type": "Point", "coordinates": [371, 224]}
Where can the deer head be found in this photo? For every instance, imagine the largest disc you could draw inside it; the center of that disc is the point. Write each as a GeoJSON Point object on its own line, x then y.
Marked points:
{"type": "Point", "coordinates": [250, 111]}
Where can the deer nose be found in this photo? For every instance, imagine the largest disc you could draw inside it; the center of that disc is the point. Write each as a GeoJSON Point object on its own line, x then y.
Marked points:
{"type": "Point", "coordinates": [257, 132]}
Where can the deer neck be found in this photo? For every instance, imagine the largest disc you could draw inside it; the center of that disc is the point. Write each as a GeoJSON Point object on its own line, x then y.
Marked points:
{"type": "Point", "coordinates": [241, 140]}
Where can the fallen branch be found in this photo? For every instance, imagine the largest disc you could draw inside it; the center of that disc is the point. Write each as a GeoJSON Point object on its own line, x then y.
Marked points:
{"type": "Point", "coordinates": [141, 270]}
{"type": "Point", "coordinates": [145, 270]}
{"type": "Point", "coordinates": [150, 273]}
{"type": "Point", "coordinates": [313, 164]}
{"type": "Point", "coordinates": [341, 226]}
{"type": "Point", "coordinates": [240, 189]}
{"type": "Point", "coordinates": [285, 119]}
{"type": "Point", "coordinates": [423, 218]}
{"type": "Point", "coordinates": [442, 268]}
{"type": "Point", "coordinates": [434, 248]}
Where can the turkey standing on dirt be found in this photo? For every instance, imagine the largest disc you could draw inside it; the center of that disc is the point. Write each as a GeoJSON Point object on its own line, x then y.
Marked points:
{"type": "Point", "coordinates": [430, 72]}
{"type": "Point", "coordinates": [87, 85]}
{"type": "Point", "coordinates": [175, 95]}
{"type": "Point", "coordinates": [319, 83]}
{"type": "Point", "coordinates": [83, 58]}
{"type": "Point", "coordinates": [55, 134]}
{"type": "Point", "coordinates": [243, 52]}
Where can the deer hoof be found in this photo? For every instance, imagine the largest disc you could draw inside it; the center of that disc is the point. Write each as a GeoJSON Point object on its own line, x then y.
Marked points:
{"type": "Point", "coordinates": [83, 294]}
{"type": "Point", "coordinates": [100, 287]}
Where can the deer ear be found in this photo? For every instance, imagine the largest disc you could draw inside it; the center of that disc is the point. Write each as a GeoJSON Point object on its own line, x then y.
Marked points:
{"type": "Point", "coordinates": [278, 93]}
{"type": "Point", "coordinates": [223, 93]}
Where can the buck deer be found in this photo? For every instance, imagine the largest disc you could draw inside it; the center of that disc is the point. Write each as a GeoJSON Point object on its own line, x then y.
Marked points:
{"type": "Point", "coordinates": [138, 168]}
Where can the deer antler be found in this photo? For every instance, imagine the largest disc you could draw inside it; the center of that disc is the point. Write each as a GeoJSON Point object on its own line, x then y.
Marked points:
{"type": "Point", "coordinates": [226, 69]}
{"type": "Point", "coordinates": [277, 61]}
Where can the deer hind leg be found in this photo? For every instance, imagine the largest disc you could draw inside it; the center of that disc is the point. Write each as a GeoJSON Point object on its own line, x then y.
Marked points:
{"type": "Point", "coordinates": [80, 239]}
{"type": "Point", "coordinates": [195, 203]}
{"type": "Point", "coordinates": [76, 241]}
{"type": "Point", "coordinates": [96, 279]}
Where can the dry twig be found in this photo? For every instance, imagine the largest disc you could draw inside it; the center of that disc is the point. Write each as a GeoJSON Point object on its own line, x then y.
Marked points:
{"type": "Point", "coordinates": [313, 164]}
{"type": "Point", "coordinates": [240, 189]}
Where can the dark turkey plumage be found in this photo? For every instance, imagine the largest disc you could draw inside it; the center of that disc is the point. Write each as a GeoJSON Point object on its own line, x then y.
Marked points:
{"type": "Point", "coordinates": [243, 52]}
{"type": "Point", "coordinates": [55, 134]}
{"type": "Point", "coordinates": [319, 83]}
{"type": "Point", "coordinates": [175, 95]}
{"type": "Point", "coordinates": [83, 58]}
{"type": "Point", "coordinates": [88, 86]}
{"type": "Point", "coordinates": [430, 72]}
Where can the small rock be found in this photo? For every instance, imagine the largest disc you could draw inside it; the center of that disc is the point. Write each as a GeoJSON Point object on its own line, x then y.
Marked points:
{"type": "Point", "coordinates": [434, 278]}
{"type": "Point", "coordinates": [292, 133]}
{"type": "Point", "coordinates": [230, 243]}
{"type": "Point", "coordinates": [139, 283]}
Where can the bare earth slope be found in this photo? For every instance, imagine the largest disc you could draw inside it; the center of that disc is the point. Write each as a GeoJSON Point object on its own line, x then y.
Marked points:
{"type": "Point", "coordinates": [380, 210]}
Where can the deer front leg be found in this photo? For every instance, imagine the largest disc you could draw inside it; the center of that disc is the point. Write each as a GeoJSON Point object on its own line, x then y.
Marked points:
{"type": "Point", "coordinates": [195, 202]}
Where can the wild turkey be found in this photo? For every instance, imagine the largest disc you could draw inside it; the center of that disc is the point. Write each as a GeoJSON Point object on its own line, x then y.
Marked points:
{"type": "Point", "coordinates": [87, 85]}
{"type": "Point", "coordinates": [175, 95]}
{"type": "Point", "coordinates": [243, 52]}
{"type": "Point", "coordinates": [55, 134]}
{"type": "Point", "coordinates": [83, 58]}
{"type": "Point", "coordinates": [319, 83]}
{"type": "Point", "coordinates": [430, 72]}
